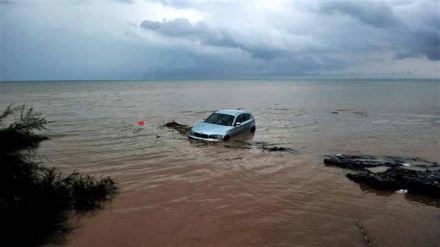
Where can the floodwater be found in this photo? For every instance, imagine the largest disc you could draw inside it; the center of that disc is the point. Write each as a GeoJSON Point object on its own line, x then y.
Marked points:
{"type": "Point", "coordinates": [177, 192]}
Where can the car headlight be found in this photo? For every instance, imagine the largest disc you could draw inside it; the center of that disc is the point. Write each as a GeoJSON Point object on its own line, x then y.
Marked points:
{"type": "Point", "coordinates": [216, 136]}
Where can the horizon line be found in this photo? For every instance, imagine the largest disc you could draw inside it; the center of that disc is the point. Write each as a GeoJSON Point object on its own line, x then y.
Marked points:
{"type": "Point", "coordinates": [226, 79]}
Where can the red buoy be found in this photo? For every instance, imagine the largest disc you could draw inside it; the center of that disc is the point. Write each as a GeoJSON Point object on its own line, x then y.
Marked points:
{"type": "Point", "coordinates": [140, 122]}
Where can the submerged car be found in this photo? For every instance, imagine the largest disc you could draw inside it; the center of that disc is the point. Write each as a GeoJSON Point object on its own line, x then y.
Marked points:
{"type": "Point", "coordinates": [222, 125]}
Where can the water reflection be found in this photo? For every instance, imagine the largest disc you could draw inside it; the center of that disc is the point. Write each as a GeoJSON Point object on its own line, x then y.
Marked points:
{"type": "Point", "coordinates": [423, 200]}
{"type": "Point", "coordinates": [245, 141]}
{"type": "Point", "coordinates": [240, 141]}
{"type": "Point", "coordinates": [419, 199]}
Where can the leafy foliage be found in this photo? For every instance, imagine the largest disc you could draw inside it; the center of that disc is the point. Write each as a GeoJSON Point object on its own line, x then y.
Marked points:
{"type": "Point", "coordinates": [34, 199]}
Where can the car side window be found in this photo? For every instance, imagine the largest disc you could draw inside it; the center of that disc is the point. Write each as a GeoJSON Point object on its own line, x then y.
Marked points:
{"type": "Point", "coordinates": [246, 117]}
{"type": "Point", "coordinates": [240, 119]}
{"type": "Point", "coordinates": [227, 120]}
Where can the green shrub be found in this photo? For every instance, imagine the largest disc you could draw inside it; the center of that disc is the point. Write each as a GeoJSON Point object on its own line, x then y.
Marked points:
{"type": "Point", "coordinates": [34, 199]}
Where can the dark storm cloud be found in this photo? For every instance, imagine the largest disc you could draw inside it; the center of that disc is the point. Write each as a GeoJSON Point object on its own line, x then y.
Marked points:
{"type": "Point", "coordinates": [217, 37]}
{"type": "Point", "coordinates": [416, 43]}
{"type": "Point", "coordinates": [137, 39]}
{"type": "Point", "coordinates": [224, 67]}
{"type": "Point", "coordinates": [411, 34]}
{"type": "Point", "coordinates": [375, 14]}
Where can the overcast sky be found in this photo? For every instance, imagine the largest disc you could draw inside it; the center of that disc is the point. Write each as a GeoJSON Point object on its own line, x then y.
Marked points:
{"type": "Point", "coordinates": [134, 39]}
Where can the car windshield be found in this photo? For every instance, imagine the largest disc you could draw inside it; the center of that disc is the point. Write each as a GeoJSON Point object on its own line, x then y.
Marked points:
{"type": "Point", "coordinates": [220, 119]}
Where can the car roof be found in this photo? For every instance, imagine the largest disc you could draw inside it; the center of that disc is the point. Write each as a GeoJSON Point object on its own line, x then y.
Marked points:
{"type": "Point", "coordinates": [232, 112]}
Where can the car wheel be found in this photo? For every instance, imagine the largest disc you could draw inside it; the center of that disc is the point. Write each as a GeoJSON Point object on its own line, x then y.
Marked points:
{"type": "Point", "coordinates": [227, 137]}
{"type": "Point", "coordinates": [253, 129]}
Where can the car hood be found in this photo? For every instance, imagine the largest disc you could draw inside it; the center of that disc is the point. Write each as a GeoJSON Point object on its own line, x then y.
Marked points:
{"type": "Point", "coordinates": [209, 129]}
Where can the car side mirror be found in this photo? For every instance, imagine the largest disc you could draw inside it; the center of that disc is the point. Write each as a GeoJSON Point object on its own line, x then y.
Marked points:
{"type": "Point", "coordinates": [237, 123]}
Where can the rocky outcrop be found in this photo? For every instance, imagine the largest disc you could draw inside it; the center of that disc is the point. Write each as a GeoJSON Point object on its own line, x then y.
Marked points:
{"type": "Point", "coordinates": [181, 128]}
{"type": "Point", "coordinates": [278, 149]}
{"type": "Point", "coordinates": [361, 162]}
{"type": "Point", "coordinates": [425, 182]}
{"type": "Point", "coordinates": [414, 175]}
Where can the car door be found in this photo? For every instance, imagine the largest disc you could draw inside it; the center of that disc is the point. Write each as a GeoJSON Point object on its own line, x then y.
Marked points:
{"type": "Point", "coordinates": [239, 119]}
{"type": "Point", "coordinates": [247, 121]}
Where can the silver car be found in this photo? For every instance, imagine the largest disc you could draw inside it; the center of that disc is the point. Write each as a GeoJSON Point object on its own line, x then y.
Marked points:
{"type": "Point", "coordinates": [222, 125]}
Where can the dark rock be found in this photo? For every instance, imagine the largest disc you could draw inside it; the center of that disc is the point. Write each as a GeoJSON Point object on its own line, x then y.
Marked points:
{"type": "Point", "coordinates": [181, 128]}
{"type": "Point", "coordinates": [416, 175]}
{"type": "Point", "coordinates": [264, 146]}
{"type": "Point", "coordinates": [358, 163]}
{"type": "Point", "coordinates": [417, 182]}
{"type": "Point", "coordinates": [361, 162]}
{"type": "Point", "coordinates": [278, 149]}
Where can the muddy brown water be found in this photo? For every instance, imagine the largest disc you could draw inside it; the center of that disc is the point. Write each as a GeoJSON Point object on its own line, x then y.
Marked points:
{"type": "Point", "coordinates": [178, 192]}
